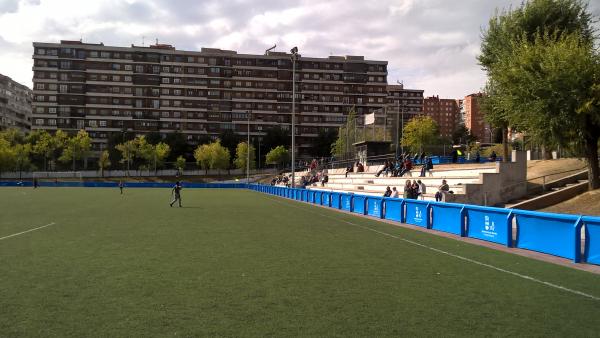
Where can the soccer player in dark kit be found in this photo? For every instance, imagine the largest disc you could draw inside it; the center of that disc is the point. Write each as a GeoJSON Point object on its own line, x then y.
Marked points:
{"type": "Point", "coordinates": [176, 192]}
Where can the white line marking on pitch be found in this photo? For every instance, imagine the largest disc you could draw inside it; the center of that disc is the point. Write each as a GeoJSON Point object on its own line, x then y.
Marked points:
{"type": "Point", "coordinates": [26, 231]}
{"type": "Point", "coordinates": [556, 286]}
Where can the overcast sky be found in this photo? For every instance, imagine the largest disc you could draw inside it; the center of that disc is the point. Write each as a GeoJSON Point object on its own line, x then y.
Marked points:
{"type": "Point", "coordinates": [429, 44]}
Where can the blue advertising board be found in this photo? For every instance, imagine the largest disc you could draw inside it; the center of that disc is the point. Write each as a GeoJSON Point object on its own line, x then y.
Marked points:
{"type": "Point", "coordinates": [417, 212]}
{"type": "Point", "coordinates": [375, 206]}
{"type": "Point", "coordinates": [592, 239]}
{"type": "Point", "coordinates": [448, 217]}
{"type": "Point", "coordinates": [346, 201]}
{"type": "Point", "coordinates": [336, 200]}
{"type": "Point", "coordinates": [394, 209]}
{"type": "Point", "coordinates": [555, 234]}
{"type": "Point", "coordinates": [325, 198]}
{"type": "Point", "coordinates": [489, 224]}
{"type": "Point", "coordinates": [359, 204]}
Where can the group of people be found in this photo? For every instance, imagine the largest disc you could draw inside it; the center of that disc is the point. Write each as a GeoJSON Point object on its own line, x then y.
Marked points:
{"type": "Point", "coordinates": [280, 180]}
{"type": "Point", "coordinates": [360, 168]}
{"type": "Point", "coordinates": [412, 190]}
{"type": "Point", "coordinates": [404, 164]}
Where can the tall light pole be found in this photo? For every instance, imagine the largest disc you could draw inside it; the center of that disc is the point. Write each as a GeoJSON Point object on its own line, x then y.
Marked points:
{"type": "Point", "coordinates": [248, 150]}
{"type": "Point", "coordinates": [294, 58]}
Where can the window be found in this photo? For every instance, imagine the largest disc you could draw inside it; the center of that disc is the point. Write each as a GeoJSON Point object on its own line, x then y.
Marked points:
{"type": "Point", "coordinates": [105, 55]}
{"type": "Point", "coordinates": [93, 124]}
{"type": "Point", "coordinates": [40, 86]}
{"type": "Point", "coordinates": [127, 78]}
{"type": "Point", "coordinates": [139, 68]}
{"type": "Point", "coordinates": [39, 122]}
{"type": "Point", "coordinates": [52, 98]}
{"type": "Point", "coordinates": [128, 67]}
{"type": "Point", "coordinates": [94, 54]}
{"type": "Point", "coordinates": [63, 88]}
{"type": "Point", "coordinates": [41, 51]}
{"type": "Point", "coordinates": [166, 80]}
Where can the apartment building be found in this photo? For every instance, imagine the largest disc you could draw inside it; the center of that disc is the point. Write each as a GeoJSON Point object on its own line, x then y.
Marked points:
{"type": "Point", "coordinates": [445, 112]}
{"type": "Point", "coordinates": [107, 89]}
{"type": "Point", "coordinates": [15, 105]}
{"type": "Point", "coordinates": [474, 119]}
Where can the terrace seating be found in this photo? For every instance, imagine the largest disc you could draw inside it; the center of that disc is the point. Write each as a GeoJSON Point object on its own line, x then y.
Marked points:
{"type": "Point", "coordinates": [456, 176]}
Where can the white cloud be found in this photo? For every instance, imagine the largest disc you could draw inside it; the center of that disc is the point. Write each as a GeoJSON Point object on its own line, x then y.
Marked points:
{"type": "Point", "coordinates": [430, 44]}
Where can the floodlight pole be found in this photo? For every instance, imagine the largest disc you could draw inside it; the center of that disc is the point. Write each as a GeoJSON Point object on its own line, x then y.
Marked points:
{"type": "Point", "coordinates": [248, 150]}
{"type": "Point", "coordinates": [294, 57]}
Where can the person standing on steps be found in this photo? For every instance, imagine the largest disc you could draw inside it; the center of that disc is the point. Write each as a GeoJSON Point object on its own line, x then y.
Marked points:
{"type": "Point", "coordinates": [176, 192]}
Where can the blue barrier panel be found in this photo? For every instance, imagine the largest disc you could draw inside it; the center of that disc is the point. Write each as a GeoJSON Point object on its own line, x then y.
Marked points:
{"type": "Point", "coordinates": [299, 194]}
{"type": "Point", "coordinates": [417, 212]}
{"type": "Point", "coordinates": [289, 192]}
{"type": "Point", "coordinates": [359, 202]}
{"type": "Point", "coordinates": [374, 206]}
{"type": "Point", "coordinates": [305, 195]}
{"type": "Point", "coordinates": [394, 209]}
{"type": "Point", "coordinates": [554, 234]}
{"type": "Point", "coordinates": [326, 198]}
{"type": "Point", "coordinates": [592, 239]}
{"type": "Point", "coordinates": [489, 224]}
{"type": "Point", "coordinates": [448, 217]}
{"type": "Point", "coordinates": [311, 196]}
{"type": "Point", "coordinates": [318, 195]}
{"type": "Point", "coordinates": [336, 200]}
{"type": "Point", "coordinates": [346, 201]}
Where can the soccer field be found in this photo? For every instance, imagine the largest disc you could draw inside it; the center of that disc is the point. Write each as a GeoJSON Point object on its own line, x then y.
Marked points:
{"type": "Point", "coordinates": [241, 263]}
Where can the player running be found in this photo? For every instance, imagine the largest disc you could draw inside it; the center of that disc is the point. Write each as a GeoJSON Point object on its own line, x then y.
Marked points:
{"type": "Point", "coordinates": [176, 192]}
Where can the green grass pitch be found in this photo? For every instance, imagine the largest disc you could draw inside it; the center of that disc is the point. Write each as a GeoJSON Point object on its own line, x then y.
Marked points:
{"type": "Point", "coordinates": [241, 263]}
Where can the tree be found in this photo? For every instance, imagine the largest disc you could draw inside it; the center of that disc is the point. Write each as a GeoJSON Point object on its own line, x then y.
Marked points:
{"type": "Point", "coordinates": [7, 156]}
{"type": "Point", "coordinates": [278, 156]}
{"type": "Point", "coordinates": [180, 163]}
{"type": "Point", "coordinates": [161, 151]}
{"type": "Point", "coordinates": [462, 135]}
{"type": "Point", "coordinates": [419, 132]}
{"type": "Point", "coordinates": [128, 151]}
{"type": "Point", "coordinates": [241, 156]}
{"type": "Point", "coordinates": [212, 156]}
{"type": "Point", "coordinates": [557, 84]}
{"type": "Point", "coordinates": [553, 18]}
{"type": "Point", "coordinates": [322, 143]}
{"type": "Point", "coordinates": [347, 136]}
{"type": "Point", "coordinates": [203, 156]}
{"type": "Point", "coordinates": [21, 153]}
{"type": "Point", "coordinates": [76, 147]}
{"type": "Point", "coordinates": [46, 145]}
{"type": "Point", "coordinates": [220, 156]}
{"type": "Point", "coordinates": [103, 161]}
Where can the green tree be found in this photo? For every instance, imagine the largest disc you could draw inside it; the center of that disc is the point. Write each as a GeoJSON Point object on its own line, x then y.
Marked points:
{"type": "Point", "coordinates": [419, 132]}
{"type": "Point", "coordinates": [46, 145]}
{"type": "Point", "coordinates": [202, 155]}
{"type": "Point", "coordinates": [180, 163]}
{"type": "Point", "coordinates": [347, 136]}
{"type": "Point", "coordinates": [551, 90]}
{"type": "Point", "coordinates": [128, 151]}
{"type": "Point", "coordinates": [220, 156]}
{"type": "Point", "coordinates": [553, 18]}
{"type": "Point", "coordinates": [7, 156]}
{"type": "Point", "coordinates": [161, 152]}
{"type": "Point", "coordinates": [462, 135]}
{"type": "Point", "coordinates": [278, 156]}
{"type": "Point", "coordinates": [322, 143]}
{"type": "Point", "coordinates": [241, 156]}
{"type": "Point", "coordinates": [103, 161]}
{"type": "Point", "coordinates": [22, 160]}
{"type": "Point", "coordinates": [76, 147]}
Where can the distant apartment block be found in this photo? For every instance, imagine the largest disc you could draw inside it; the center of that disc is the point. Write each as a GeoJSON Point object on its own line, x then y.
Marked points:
{"type": "Point", "coordinates": [474, 120]}
{"type": "Point", "coordinates": [106, 89]}
{"type": "Point", "coordinates": [445, 112]}
{"type": "Point", "coordinates": [409, 102]}
{"type": "Point", "coordinates": [15, 105]}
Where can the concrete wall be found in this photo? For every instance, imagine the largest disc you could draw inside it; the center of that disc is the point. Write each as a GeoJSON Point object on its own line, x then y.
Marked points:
{"type": "Point", "coordinates": [553, 197]}
{"type": "Point", "coordinates": [507, 183]}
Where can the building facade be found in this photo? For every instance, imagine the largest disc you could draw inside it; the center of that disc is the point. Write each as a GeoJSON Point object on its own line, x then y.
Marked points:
{"type": "Point", "coordinates": [445, 112]}
{"type": "Point", "coordinates": [15, 105]}
{"type": "Point", "coordinates": [160, 89]}
{"type": "Point", "coordinates": [474, 120]}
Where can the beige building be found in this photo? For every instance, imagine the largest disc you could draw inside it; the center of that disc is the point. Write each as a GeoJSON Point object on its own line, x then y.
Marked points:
{"type": "Point", "coordinates": [15, 105]}
{"type": "Point", "coordinates": [106, 89]}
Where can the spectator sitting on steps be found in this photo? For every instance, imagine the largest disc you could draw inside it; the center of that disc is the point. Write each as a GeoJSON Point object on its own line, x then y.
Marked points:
{"type": "Point", "coordinates": [388, 192]}
{"type": "Point", "coordinates": [493, 156]}
{"type": "Point", "coordinates": [360, 168]}
{"type": "Point", "coordinates": [349, 169]}
{"type": "Point", "coordinates": [442, 191]}
{"type": "Point", "coordinates": [408, 165]}
{"type": "Point", "coordinates": [386, 168]}
{"type": "Point", "coordinates": [395, 193]}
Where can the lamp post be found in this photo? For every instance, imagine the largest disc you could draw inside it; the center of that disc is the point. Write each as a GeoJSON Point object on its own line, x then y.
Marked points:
{"type": "Point", "coordinates": [294, 52]}
{"type": "Point", "coordinates": [248, 150]}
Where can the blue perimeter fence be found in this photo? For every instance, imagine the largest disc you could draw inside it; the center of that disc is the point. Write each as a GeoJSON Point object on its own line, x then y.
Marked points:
{"type": "Point", "coordinates": [554, 234]}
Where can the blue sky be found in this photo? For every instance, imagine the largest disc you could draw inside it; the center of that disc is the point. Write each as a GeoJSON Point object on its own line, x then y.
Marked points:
{"type": "Point", "coordinates": [429, 44]}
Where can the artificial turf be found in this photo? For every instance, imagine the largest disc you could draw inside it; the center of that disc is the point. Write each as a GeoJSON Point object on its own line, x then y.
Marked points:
{"type": "Point", "coordinates": [241, 263]}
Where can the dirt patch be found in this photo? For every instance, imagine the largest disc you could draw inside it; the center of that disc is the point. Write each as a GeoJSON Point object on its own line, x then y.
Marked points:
{"type": "Point", "coordinates": [587, 203]}
{"type": "Point", "coordinates": [555, 168]}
